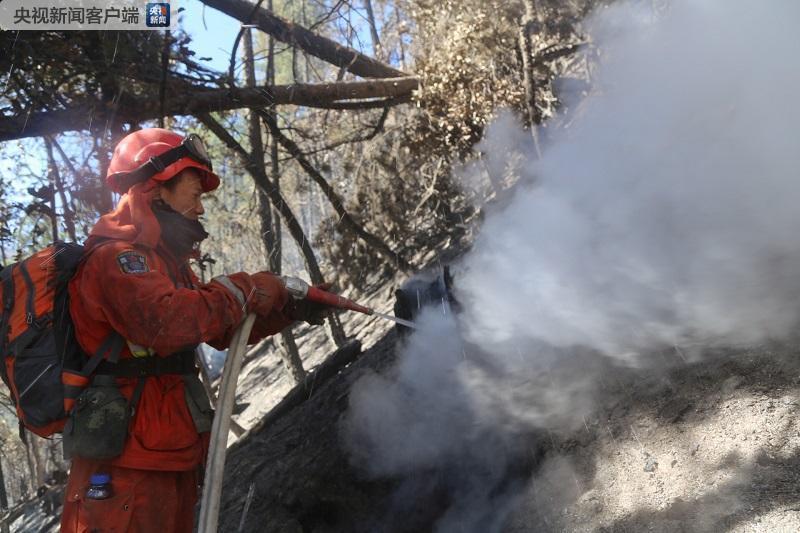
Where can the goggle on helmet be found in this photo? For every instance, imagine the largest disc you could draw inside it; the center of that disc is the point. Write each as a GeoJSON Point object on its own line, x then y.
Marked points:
{"type": "Point", "coordinates": [192, 147]}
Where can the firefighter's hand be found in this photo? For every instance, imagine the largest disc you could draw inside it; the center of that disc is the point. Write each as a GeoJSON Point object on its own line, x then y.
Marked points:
{"type": "Point", "coordinates": [308, 311]}
{"type": "Point", "coordinates": [268, 292]}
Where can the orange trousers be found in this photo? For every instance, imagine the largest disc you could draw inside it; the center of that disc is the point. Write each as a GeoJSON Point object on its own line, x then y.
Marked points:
{"type": "Point", "coordinates": [143, 501]}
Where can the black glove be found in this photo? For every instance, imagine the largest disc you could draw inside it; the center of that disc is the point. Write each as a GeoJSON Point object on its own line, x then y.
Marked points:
{"type": "Point", "coordinates": [311, 312]}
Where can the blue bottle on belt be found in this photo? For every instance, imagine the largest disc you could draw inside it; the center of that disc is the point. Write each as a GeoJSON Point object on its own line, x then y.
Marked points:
{"type": "Point", "coordinates": [99, 487]}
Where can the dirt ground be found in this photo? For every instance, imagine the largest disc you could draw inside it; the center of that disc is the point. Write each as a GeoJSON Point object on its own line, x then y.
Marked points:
{"type": "Point", "coordinates": [709, 446]}
{"type": "Point", "coordinates": [704, 447]}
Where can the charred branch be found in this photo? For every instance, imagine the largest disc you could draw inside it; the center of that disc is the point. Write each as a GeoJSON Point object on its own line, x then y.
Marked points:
{"type": "Point", "coordinates": [373, 28]}
{"type": "Point", "coordinates": [375, 130]}
{"type": "Point", "coordinates": [346, 219]}
{"type": "Point", "coordinates": [555, 51]}
{"type": "Point", "coordinates": [127, 108]}
{"type": "Point", "coordinates": [308, 41]}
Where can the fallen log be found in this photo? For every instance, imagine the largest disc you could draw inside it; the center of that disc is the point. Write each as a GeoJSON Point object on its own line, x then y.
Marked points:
{"type": "Point", "coordinates": [198, 100]}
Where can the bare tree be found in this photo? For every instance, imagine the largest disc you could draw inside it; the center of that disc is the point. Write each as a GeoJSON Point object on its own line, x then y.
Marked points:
{"type": "Point", "coordinates": [58, 184]}
{"type": "Point", "coordinates": [3, 498]}
{"type": "Point", "coordinates": [276, 254]}
{"type": "Point", "coordinates": [265, 185]}
{"type": "Point", "coordinates": [289, 354]}
{"type": "Point", "coordinates": [373, 29]}
{"type": "Point", "coordinates": [529, 26]}
{"type": "Point", "coordinates": [347, 220]}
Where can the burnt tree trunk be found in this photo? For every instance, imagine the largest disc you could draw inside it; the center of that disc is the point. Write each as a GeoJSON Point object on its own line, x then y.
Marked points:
{"type": "Point", "coordinates": [3, 493]}
{"type": "Point", "coordinates": [32, 460]}
{"type": "Point", "coordinates": [289, 352]}
{"type": "Point", "coordinates": [58, 184]}
{"type": "Point", "coordinates": [49, 198]}
{"type": "Point", "coordinates": [290, 355]}
{"type": "Point", "coordinates": [3, 499]}
{"type": "Point", "coordinates": [52, 207]}
{"type": "Point", "coordinates": [373, 29]}
{"type": "Point", "coordinates": [103, 202]}
{"type": "Point", "coordinates": [528, 28]}
{"type": "Point", "coordinates": [162, 88]}
{"type": "Point", "coordinates": [276, 255]}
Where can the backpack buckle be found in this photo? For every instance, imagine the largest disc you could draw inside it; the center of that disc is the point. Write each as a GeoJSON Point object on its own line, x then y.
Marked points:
{"type": "Point", "coordinates": [29, 318]}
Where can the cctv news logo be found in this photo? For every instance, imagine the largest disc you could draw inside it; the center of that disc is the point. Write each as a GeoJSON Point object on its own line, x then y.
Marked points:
{"type": "Point", "coordinates": [156, 15]}
{"type": "Point", "coordinates": [79, 15]}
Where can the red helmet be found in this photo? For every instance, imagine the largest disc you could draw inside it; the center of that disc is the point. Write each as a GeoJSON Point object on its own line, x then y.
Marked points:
{"type": "Point", "coordinates": [157, 154]}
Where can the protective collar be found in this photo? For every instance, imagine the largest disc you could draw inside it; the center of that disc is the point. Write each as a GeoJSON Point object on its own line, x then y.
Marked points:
{"type": "Point", "coordinates": [182, 236]}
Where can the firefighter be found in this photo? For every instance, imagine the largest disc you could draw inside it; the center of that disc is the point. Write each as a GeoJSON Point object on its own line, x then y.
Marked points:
{"type": "Point", "coordinates": [136, 285]}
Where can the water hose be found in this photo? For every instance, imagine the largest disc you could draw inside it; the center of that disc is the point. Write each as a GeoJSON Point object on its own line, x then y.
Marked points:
{"type": "Point", "coordinates": [215, 465]}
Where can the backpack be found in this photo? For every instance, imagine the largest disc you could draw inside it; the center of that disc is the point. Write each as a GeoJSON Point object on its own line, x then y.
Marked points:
{"type": "Point", "coordinates": [41, 362]}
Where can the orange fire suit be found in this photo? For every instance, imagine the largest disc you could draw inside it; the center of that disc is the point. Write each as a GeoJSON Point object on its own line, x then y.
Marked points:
{"type": "Point", "coordinates": [130, 283]}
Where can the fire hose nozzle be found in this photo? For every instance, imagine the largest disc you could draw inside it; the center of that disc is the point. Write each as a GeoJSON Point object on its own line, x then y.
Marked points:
{"type": "Point", "coordinates": [301, 290]}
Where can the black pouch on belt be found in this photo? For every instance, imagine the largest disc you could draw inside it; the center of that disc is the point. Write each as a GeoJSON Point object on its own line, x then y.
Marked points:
{"type": "Point", "coordinates": [98, 424]}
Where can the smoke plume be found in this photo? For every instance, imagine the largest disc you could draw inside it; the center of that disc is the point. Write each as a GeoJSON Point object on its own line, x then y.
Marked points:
{"type": "Point", "coordinates": [665, 215]}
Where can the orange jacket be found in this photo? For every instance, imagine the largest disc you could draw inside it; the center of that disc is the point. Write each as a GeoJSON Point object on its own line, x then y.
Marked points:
{"type": "Point", "coordinates": [161, 306]}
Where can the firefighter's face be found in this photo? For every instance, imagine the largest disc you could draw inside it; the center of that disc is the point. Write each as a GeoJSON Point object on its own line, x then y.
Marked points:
{"type": "Point", "coordinates": [185, 196]}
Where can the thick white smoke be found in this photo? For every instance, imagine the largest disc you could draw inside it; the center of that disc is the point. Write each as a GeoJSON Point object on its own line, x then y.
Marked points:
{"type": "Point", "coordinates": [666, 215]}
{"type": "Point", "coordinates": [669, 211]}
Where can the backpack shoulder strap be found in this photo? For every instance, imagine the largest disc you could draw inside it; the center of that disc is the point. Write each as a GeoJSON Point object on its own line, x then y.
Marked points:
{"type": "Point", "coordinates": [7, 281]}
{"type": "Point", "coordinates": [30, 310]}
{"type": "Point", "coordinates": [109, 349]}
{"type": "Point", "coordinates": [8, 287]}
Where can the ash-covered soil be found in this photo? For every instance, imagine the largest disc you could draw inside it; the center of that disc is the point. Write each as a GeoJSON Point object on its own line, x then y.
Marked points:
{"type": "Point", "coordinates": [704, 446]}
{"type": "Point", "coordinates": [708, 446]}
{"type": "Point", "coordinates": [297, 471]}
